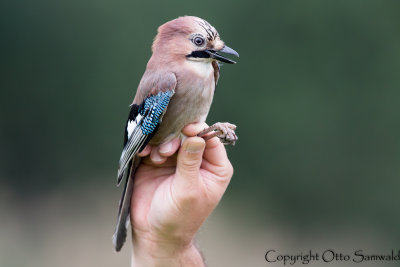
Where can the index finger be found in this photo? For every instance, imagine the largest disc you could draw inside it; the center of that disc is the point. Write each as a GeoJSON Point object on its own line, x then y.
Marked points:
{"type": "Point", "coordinates": [214, 152]}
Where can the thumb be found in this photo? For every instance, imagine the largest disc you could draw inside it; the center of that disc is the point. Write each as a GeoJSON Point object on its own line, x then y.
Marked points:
{"type": "Point", "coordinates": [189, 160]}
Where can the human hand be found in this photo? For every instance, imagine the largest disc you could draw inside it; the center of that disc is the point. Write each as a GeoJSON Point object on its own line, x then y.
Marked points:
{"type": "Point", "coordinates": [173, 196]}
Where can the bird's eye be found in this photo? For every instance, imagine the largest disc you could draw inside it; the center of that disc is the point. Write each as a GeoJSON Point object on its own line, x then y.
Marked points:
{"type": "Point", "coordinates": [199, 41]}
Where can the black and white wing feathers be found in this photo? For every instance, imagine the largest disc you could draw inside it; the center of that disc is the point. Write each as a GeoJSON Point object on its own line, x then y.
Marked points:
{"type": "Point", "coordinates": [142, 124]}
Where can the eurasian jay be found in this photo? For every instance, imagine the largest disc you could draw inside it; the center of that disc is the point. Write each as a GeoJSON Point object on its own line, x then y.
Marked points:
{"type": "Point", "coordinates": [176, 89]}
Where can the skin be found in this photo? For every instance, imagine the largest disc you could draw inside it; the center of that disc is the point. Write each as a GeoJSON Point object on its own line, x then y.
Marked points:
{"type": "Point", "coordinates": [172, 198]}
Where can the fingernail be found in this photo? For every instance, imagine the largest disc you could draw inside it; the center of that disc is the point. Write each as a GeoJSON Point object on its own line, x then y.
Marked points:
{"type": "Point", "coordinates": [165, 148]}
{"type": "Point", "coordinates": [194, 147]}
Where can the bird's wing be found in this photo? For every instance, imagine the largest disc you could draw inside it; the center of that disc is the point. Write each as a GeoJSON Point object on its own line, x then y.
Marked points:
{"type": "Point", "coordinates": [141, 126]}
{"type": "Point", "coordinates": [216, 68]}
{"type": "Point", "coordinates": [143, 121]}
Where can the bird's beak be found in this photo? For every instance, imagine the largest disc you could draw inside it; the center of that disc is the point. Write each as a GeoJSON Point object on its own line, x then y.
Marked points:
{"type": "Point", "coordinates": [227, 50]}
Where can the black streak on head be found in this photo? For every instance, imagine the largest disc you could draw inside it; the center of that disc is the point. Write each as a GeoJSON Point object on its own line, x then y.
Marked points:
{"type": "Point", "coordinates": [211, 33]}
{"type": "Point", "coordinates": [199, 54]}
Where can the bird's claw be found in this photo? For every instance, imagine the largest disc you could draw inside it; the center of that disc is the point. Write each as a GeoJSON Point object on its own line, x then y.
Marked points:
{"type": "Point", "coordinates": [223, 130]}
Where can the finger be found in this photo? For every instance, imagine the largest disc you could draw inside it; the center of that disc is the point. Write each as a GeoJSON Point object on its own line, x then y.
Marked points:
{"type": "Point", "coordinates": [156, 157]}
{"type": "Point", "coordinates": [145, 152]}
{"type": "Point", "coordinates": [214, 152]}
{"type": "Point", "coordinates": [216, 162]}
{"type": "Point", "coordinates": [169, 148]}
{"type": "Point", "coordinates": [169, 162]}
{"type": "Point", "coordinates": [194, 128]}
{"type": "Point", "coordinates": [189, 160]}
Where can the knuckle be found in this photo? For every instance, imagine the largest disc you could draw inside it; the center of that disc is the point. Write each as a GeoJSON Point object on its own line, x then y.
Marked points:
{"type": "Point", "coordinates": [227, 170]}
{"type": "Point", "coordinates": [190, 164]}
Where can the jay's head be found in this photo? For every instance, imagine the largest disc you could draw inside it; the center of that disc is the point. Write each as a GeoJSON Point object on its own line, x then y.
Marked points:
{"type": "Point", "coordinates": [190, 38]}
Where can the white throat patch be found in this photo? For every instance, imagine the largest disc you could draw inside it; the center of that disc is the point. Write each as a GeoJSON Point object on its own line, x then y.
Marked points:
{"type": "Point", "coordinates": [201, 67]}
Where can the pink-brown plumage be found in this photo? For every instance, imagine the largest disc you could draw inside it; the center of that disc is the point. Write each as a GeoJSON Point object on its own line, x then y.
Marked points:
{"type": "Point", "coordinates": [195, 80]}
{"type": "Point", "coordinates": [184, 61]}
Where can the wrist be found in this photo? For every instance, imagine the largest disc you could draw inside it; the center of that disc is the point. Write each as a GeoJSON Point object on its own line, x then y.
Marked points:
{"type": "Point", "coordinates": [153, 253]}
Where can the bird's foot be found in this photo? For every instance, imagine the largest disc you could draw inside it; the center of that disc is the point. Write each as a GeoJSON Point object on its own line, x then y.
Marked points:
{"type": "Point", "coordinates": [223, 130]}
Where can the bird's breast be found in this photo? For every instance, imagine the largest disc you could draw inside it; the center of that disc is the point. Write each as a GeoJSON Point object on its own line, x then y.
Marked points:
{"type": "Point", "coordinates": [191, 101]}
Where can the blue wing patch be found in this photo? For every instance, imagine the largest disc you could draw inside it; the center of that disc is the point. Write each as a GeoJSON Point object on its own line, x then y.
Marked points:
{"type": "Point", "coordinates": [154, 106]}
{"type": "Point", "coordinates": [147, 118]}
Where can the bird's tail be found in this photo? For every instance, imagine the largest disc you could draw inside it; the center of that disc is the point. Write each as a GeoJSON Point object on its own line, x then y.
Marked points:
{"type": "Point", "coordinates": [123, 219]}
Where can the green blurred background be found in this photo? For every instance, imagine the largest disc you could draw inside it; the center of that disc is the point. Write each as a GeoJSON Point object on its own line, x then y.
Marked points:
{"type": "Point", "coordinates": [315, 96]}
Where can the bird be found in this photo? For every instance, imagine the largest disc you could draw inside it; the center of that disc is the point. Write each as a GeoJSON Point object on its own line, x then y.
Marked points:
{"type": "Point", "coordinates": [176, 89]}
